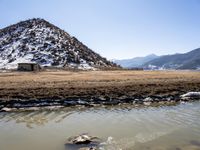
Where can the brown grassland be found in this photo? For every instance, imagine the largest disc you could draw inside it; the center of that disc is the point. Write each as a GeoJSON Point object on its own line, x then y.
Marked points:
{"type": "Point", "coordinates": [114, 84]}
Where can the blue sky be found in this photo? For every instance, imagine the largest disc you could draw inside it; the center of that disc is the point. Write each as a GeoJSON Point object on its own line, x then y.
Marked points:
{"type": "Point", "coordinates": [117, 28]}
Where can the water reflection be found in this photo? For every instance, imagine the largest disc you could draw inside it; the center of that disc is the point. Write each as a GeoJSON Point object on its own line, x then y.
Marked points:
{"type": "Point", "coordinates": [42, 117]}
{"type": "Point", "coordinates": [166, 115]}
{"type": "Point", "coordinates": [123, 127]}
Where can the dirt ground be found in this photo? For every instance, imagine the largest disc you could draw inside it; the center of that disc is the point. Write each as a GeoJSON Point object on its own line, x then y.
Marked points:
{"type": "Point", "coordinates": [114, 84]}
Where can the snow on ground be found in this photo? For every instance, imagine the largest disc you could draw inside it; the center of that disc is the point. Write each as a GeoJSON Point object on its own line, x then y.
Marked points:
{"type": "Point", "coordinates": [26, 59]}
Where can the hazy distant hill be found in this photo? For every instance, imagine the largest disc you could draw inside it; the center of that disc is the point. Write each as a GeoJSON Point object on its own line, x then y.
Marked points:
{"type": "Point", "coordinates": [190, 60]}
{"type": "Point", "coordinates": [135, 62]}
{"type": "Point", "coordinates": [37, 40]}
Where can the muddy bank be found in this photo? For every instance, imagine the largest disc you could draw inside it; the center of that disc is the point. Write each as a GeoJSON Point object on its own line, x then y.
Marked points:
{"type": "Point", "coordinates": [63, 88]}
{"type": "Point", "coordinates": [33, 104]}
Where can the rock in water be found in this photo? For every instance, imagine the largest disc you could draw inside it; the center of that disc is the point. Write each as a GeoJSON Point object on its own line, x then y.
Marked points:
{"type": "Point", "coordinates": [82, 139]}
{"type": "Point", "coordinates": [83, 142]}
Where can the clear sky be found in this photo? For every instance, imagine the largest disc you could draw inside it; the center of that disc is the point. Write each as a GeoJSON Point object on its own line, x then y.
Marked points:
{"type": "Point", "coordinates": [117, 28]}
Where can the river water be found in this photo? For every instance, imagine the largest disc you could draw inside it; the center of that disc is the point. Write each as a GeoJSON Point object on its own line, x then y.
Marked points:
{"type": "Point", "coordinates": [121, 128]}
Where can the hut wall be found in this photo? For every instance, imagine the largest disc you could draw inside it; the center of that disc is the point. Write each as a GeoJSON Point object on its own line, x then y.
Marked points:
{"type": "Point", "coordinates": [28, 67]}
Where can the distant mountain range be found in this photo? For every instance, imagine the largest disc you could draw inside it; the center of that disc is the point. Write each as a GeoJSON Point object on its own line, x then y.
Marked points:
{"type": "Point", "coordinates": [190, 60]}
{"type": "Point", "coordinates": [37, 40]}
{"type": "Point", "coordinates": [185, 61]}
{"type": "Point", "coordinates": [135, 62]}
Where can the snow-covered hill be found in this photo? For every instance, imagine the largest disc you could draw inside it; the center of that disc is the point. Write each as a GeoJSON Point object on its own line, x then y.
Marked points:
{"type": "Point", "coordinates": [37, 40]}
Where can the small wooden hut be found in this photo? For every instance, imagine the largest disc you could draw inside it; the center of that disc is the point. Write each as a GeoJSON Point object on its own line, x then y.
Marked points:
{"type": "Point", "coordinates": [28, 67]}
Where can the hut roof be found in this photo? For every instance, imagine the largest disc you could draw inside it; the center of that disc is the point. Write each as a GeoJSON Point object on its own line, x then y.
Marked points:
{"type": "Point", "coordinates": [27, 63]}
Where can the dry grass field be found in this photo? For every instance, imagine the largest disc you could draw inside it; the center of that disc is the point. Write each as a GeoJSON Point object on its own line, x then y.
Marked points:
{"type": "Point", "coordinates": [114, 84]}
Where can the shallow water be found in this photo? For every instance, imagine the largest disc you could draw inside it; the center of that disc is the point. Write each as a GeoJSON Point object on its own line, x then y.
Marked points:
{"type": "Point", "coordinates": [122, 128]}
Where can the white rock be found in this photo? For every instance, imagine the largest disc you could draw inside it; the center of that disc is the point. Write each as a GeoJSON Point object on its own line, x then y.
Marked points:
{"type": "Point", "coordinates": [148, 99]}
{"type": "Point", "coordinates": [6, 109]}
{"type": "Point", "coordinates": [191, 94]}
